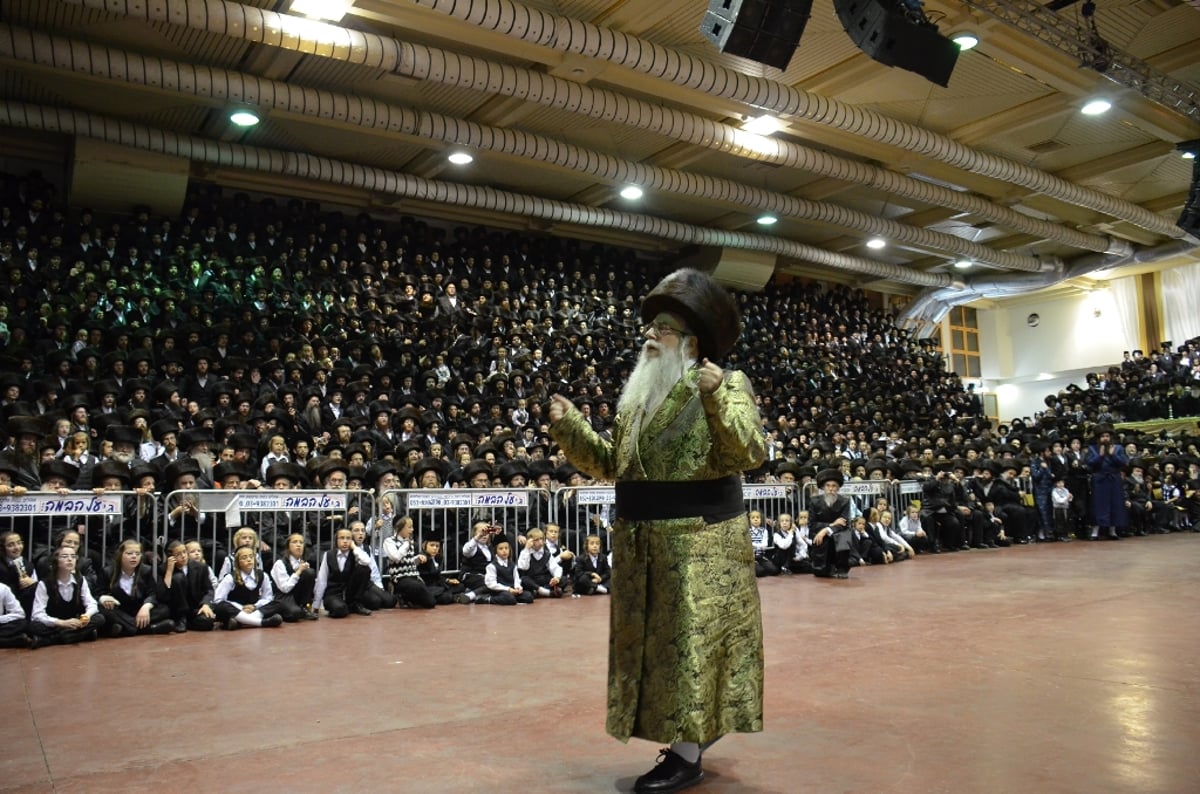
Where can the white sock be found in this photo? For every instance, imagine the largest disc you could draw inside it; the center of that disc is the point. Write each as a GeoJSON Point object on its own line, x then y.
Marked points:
{"type": "Point", "coordinates": [688, 751]}
{"type": "Point", "coordinates": [543, 591]}
{"type": "Point", "coordinates": [250, 618]}
{"type": "Point", "coordinates": [471, 594]}
{"type": "Point", "coordinates": [601, 588]}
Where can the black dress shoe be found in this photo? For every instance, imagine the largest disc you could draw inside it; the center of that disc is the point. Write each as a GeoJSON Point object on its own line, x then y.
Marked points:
{"type": "Point", "coordinates": [359, 609]}
{"type": "Point", "coordinates": [165, 626]}
{"type": "Point", "coordinates": [180, 627]}
{"type": "Point", "coordinates": [671, 774]}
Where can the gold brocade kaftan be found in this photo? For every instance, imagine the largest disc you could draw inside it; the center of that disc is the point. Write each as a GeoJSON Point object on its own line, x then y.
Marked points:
{"type": "Point", "coordinates": [685, 656]}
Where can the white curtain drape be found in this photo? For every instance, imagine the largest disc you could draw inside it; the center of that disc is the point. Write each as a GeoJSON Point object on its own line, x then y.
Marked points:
{"type": "Point", "coordinates": [1125, 300]}
{"type": "Point", "coordinates": [1181, 303]}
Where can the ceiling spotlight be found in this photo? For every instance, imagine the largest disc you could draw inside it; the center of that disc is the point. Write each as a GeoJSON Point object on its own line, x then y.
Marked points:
{"type": "Point", "coordinates": [1096, 107]}
{"type": "Point", "coordinates": [1188, 155]}
{"type": "Point", "coordinates": [876, 243]}
{"type": "Point", "coordinates": [966, 40]}
{"type": "Point", "coordinates": [963, 264]}
{"type": "Point", "coordinates": [327, 10]}
{"type": "Point", "coordinates": [631, 192]}
{"type": "Point", "coordinates": [767, 220]}
{"type": "Point", "coordinates": [244, 118]}
{"type": "Point", "coordinates": [762, 125]}
{"type": "Point", "coordinates": [460, 158]}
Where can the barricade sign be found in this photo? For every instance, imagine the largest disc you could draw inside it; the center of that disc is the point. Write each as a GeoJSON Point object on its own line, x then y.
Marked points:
{"type": "Point", "coordinates": [54, 504]}
{"type": "Point", "coordinates": [213, 516]}
{"type": "Point", "coordinates": [102, 521]}
{"type": "Point", "coordinates": [473, 498]}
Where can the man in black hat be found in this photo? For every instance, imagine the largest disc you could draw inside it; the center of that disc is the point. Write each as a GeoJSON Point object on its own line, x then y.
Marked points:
{"type": "Point", "coordinates": [943, 509]}
{"type": "Point", "coordinates": [1107, 461]}
{"type": "Point", "coordinates": [1144, 513]}
{"type": "Point", "coordinates": [685, 431]}
{"type": "Point", "coordinates": [20, 459]}
{"type": "Point", "coordinates": [829, 516]}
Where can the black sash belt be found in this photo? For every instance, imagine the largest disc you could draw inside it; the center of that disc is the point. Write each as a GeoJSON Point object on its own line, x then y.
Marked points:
{"type": "Point", "coordinates": [713, 500]}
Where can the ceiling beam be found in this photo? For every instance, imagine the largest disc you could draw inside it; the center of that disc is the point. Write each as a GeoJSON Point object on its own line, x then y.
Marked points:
{"type": "Point", "coordinates": [1015, 118]}
{"type": "Point", "coordinates": [1116, 161]}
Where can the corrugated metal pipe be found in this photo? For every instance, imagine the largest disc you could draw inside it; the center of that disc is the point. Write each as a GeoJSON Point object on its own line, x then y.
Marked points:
{"type": "Point", "coordinates": [79, 57]}
{"type": "Point", "coordinates": [928, 309]}
{"type": "Point", "coordinates": [427, 63]}
{"type": "Point", "coordinates": [378, 180]}
{"type": "Point", "coordinates": [681, 68]}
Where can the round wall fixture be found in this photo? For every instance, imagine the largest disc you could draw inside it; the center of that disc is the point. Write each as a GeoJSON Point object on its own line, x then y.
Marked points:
{"type": "Point", "coordinates": [1033, 320]}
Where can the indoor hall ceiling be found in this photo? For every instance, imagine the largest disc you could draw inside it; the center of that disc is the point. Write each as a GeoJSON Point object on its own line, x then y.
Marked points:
{"type": "Point", "coordinates": [1012, 96]}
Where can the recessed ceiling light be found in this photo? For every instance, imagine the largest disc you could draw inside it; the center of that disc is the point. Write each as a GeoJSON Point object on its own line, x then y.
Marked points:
{"type": "Point", "coordinates": [966, 40]}
{"type": "Point", "coordinates": [460, 158]}
{"type": "Point", "coordinates": [244, 118]}
{"type": "Point", "coordinates": [767, 220]}
{"type": "Point", "coordinates": [631, 192]}
{"type": "Point", "coordinates": [963, 264]}
{"type": "Point", "coordinates": [1095, 107]}
{"type": "Point", "coordinates": [876, 243]}
{"type": "Point", "coordinates": [762, 125]}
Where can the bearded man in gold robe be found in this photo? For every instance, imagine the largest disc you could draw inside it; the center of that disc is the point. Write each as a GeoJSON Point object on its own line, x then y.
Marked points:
{"type": "Point", "coordinates": [685, 662]}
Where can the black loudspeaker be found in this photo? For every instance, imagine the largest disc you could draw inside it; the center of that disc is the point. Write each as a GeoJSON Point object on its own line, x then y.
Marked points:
{"type": "Point", "coordinates": [891, 32]}
{"type": "Point", "coordinates": [766, 31]}
{"type": "Point", "coordinates": [1189, 219]}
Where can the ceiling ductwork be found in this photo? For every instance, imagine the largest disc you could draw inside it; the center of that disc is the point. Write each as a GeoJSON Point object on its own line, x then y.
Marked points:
{"type": "Point", "coordinates": [928, 309]}
{"type": "Point", "coordinates": [686, 70]}
{"type": "Point", "coordinates": [427, 63]}
{"type": "Point", "coordinates": [384, 182]}
{"type": "Point", "coordinates": [227, 86]}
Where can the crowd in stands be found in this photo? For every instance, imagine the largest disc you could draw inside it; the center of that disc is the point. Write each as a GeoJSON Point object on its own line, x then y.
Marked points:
{"type": "Point", "coordinates": [270, 344]}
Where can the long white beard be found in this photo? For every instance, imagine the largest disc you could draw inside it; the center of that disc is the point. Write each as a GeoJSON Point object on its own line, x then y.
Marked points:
{"type": "Point", "coordinates": [652, 379]}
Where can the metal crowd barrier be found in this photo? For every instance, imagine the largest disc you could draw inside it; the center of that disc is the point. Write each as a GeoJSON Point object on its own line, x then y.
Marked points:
{"type": "Point", "coordinates": [101, 520]}
{"type": "Point", "coordinates": [213, 516]}
{"type": "Point", "coordinates": [448, 515]}
{"type": "Point", "coordinates": [590, 510]}
{"type": "Point", "coordinates": [864, 495]}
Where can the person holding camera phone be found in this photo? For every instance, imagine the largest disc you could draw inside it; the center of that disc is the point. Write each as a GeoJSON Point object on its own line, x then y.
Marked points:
{"type": "Point", "coordinates": [477, 554]}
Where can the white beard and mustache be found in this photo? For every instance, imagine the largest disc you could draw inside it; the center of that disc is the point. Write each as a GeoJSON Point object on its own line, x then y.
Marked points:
{"type": "Point", "coordinates": [652, 379]}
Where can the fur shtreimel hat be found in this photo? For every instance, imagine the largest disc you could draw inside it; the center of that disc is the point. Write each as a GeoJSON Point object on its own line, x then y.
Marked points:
{"type": "Point", "coordinates": [708, 309]}
{"type": "Point", "coordinates": [829, 475]}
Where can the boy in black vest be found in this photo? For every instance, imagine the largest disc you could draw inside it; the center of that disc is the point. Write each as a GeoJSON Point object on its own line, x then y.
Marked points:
{"type": "Point", "coordinates": [343, 578]}
{"type": "Point", "coordinates": [540, 571]}
{"type": "Point", "coordinates": [443, 588]}
{"type": "Point", "coordinates": [594, 576]}
{"type": "Point", "coordinates": [500, 581]}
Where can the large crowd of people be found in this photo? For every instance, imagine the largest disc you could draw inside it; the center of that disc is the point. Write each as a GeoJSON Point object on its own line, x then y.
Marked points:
{"type": "Point", "coordinates": [269, 344]}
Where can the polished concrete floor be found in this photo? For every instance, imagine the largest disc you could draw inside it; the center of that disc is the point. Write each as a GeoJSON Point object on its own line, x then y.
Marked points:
{"type": "Point", "coordinates": [1053, 668]}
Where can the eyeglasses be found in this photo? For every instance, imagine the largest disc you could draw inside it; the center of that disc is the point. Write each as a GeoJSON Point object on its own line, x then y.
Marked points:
{"type": "Point", "coordinates": [662, 329]}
